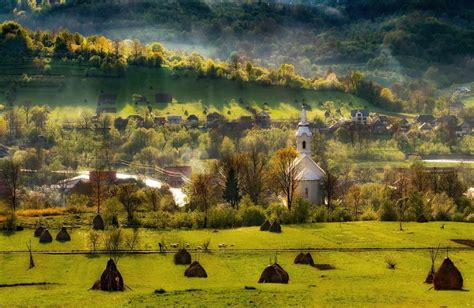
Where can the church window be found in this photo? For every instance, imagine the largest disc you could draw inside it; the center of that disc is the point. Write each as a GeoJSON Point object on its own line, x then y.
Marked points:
{"type": "Point", "coordinates": [304, 145]}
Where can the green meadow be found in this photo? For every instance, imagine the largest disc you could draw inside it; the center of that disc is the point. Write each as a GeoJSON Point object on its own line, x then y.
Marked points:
{"type": "Point", "coordinates": [360, 277]}
{"type": "Point", "coordinates": [69, 91]}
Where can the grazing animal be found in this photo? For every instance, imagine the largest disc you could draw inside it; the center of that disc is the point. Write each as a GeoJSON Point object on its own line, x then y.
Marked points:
{"type": "Point", "coordinates": [442, 227]}
{"type": "Point", "coordinates": [222, 245]}
{"type": "Point", "coordinates": [199, 248]}
{"type": "Point", "coordinates": [174, 245]}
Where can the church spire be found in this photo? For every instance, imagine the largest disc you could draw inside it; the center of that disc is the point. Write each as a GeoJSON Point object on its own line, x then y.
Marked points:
{"type": "Point", "coordinates": [303, 120]}
{"type": "Point", "coordinates": [303, 135]}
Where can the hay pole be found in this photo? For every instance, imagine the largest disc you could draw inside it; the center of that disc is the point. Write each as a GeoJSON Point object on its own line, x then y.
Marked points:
{"type": "Point", "coordinates": [32, 262]}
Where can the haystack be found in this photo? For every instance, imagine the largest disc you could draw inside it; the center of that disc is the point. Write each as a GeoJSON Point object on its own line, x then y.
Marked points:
{"type": "Point", "coordinates": [111, 279]}
{"type": "Point", "coordinates": [98, 223]}
{"type": "Point", "coordinates": [46, 237]}
{"type": "Point", "coordinates": [304, 258]}
{"type": "Point", "coordinates": [195, 270]}
{"type": "Point", "coordinates": [63, 235]}
{"type": "Point", "coordinates": [274, 274]}
{"type": "Point", "coordinates": [182, 257]}
{"type": "Point", "coordinates": [448, 277]}
{"type": "Point", "coordinates": [265, 226]}
{"type": "Point", "coordinates": [39, 231]}
{"type": "Point", "coordinates": [275, 227]}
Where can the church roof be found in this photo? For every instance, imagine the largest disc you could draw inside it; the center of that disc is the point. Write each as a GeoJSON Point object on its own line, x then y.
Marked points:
{"type": "Point", "coordinates": [309, 169]}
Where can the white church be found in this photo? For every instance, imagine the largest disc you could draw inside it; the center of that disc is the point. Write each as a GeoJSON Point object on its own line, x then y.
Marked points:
{"type": "Point", "coordinates": [310, 174]}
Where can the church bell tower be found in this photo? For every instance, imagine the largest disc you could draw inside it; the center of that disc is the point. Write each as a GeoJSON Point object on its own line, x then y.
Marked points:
{"type": "Point", "coordinates": [303, 135]}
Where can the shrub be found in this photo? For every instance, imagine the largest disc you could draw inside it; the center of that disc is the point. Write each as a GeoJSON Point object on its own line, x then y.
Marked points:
{"type": "Point", "coordinates": [369, 214]}
{"type": "Point", "coordinates": [387, 212]}
{"type": "Point", "coordinates": [300, 211]}
{"type": "Point", "coordinates": [470, 218]}
{"type": "Point", "coordinates": [223, 217]}
{"type": "Point", "coordinates": [339, 214]}
{"type": "Point", "coordinates": [320, 214]}
{"type": "Point", "coordinates": [113, 207]}
{"type": "Point", "coordinates": [278, 212]}
{"type": "Point", "coordinates": [252, 215]}
{"type": "Point", "coordinates": [10, 222]}
{"type": "Point", "coordinates": [157, 220]}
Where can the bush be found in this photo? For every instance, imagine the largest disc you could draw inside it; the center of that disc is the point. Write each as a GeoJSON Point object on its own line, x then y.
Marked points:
{"type": "Point", "coordinates": [252, 215]}
{"type": "Point", "coordinates": [278, 212]}
{"type": "Point", "coordinates": [339, 214]}
{"type": "Point", "coordinates": [387, 212]}
{"type": "Point", "coordinates": [11, 221]}
{"type": "Point", "coordinates": [157, 220]}
{"type": "Point", "coordinates": [300, 211]}
{"type": "Point", "coordinates": [369, 214]}
{"type": "Point", "coordinates": [223, 217]}
{"type": "Point", "coordinates": [320, 214]}
{"type": "Point", "coordinates": [470, 218]}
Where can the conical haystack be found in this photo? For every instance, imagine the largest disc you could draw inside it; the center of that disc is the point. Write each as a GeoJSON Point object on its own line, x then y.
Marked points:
{"type": "Point", "coordinates": [46, 237]}
{"type": "Point", "coordinates": [182, 257]}
{"type": "Point", "coordinates": [304, 258]}
{"type": "Point", "coordinates": [63, 235]}
{"type": "Point", "coordinates": [448, 277]}
{"type": "Point", "coordinates": [111, 279]}
{"type": "Point", "coordinates": [274, 274]}
{"type": "Point", "coordinates": [38, 231]}
{"type": "Point", "coordinates": [195, 270]}
{"type": "Point", "coordinates": [98, 223]}
{"type": "Point", "coordinates": [265, 226]}
{"type": "Point", "coordinates": [275, 227]}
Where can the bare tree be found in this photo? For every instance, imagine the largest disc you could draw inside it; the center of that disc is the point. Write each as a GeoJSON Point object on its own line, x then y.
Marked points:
{"type": "Point", "coordinates": [11, 174]}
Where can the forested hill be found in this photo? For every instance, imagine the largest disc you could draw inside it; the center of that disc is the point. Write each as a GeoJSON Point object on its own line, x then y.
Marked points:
{"type": "Point", "coordinates": [422, 45]}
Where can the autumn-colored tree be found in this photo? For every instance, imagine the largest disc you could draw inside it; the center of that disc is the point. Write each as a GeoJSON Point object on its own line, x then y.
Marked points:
{"type": "Point", "coordinates": [284, 174]}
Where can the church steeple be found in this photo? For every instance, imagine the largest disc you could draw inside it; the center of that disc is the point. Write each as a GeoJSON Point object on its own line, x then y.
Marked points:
{"type": "Point", "coordinates": [303, 135]}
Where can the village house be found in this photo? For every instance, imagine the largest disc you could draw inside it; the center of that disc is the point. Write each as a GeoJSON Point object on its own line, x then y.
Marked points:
{"type": "Point", "coordinates": [310, 174]}
{"type": "Point", "coordinates": [464, 129]}
{"type": "Point", "coordinates": [174, 119]}
{"type": "Point", "coordinates": [379, 123]}
{"type": "Point", "coordinates": [404, 125]}
{"type": "Point", "coordinates": [424, 118]}
{"type": "Point", "coordinates": [193, 120]}
{"type": "Point", "coordinates": [360, 116]}
{"type": "Point", "coordinates": [214, 119]}
{"type": "Point", "coordinates": [159, 121]}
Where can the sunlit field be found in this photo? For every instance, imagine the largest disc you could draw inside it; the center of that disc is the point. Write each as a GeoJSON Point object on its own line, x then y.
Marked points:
{"type": "Point", "coordinates": [69, 91]}
{"type": "Point", "coordinates": [360, 276]}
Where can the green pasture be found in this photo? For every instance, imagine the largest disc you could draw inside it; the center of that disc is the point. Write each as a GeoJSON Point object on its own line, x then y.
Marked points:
{"type": "Point", "coordinates": [70, 91]}
{"type": "Point", "coordinates": [372, 234]}
{"type": "Point", "coordinates": [360, 278]}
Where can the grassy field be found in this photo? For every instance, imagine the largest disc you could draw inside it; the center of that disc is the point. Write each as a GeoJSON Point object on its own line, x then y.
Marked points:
{"type": "Point", "coordinates": [360, 277]}
{"type": "Point", "coordinates": [70, 91]}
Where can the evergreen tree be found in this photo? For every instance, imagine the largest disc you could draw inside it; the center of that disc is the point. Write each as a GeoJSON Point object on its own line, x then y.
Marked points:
{"type": "Point", "coordinates": [232, 189]}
